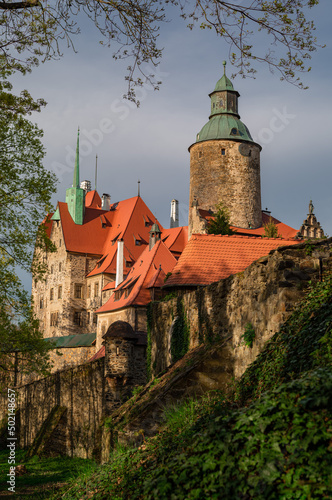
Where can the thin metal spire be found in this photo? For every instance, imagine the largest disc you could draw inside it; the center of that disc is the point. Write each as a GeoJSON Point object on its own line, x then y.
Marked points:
{"type": "Point", "coordinates": [76, 180]}
{"type": "Point", "coordinates": [224, 64]}
{"type": "Point", "coordinates": [96, 173]}
{"type": "Point", "coordinates": [138, 188]}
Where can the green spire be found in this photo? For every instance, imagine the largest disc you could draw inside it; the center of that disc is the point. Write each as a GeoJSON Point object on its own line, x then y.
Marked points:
{"type": "Point", "coordinates": [75, 196]}
{"type": "Point", "coordinates": [76, 180]}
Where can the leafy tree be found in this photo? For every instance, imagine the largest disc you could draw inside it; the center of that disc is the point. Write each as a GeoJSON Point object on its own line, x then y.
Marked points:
{"type": "Point", "coordinates": [26, 188]}
{"type": "Point", "coordinates": [220, 223]}
{"type": "Point", "coordinates": [32, 31]}
{"type": "Point", "coordinates": [271, 230]}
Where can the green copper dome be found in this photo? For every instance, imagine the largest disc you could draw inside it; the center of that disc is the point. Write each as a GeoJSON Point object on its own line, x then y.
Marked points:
{"type": "Point", "coordinates": [224, 127]}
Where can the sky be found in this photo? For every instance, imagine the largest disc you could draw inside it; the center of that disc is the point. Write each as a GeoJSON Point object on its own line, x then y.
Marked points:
{"type": "Point", "coordinates": [150, 143]}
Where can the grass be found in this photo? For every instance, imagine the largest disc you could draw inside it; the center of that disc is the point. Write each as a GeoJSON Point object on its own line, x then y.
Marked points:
{"type": "Point", "coordinates": [44, 475]}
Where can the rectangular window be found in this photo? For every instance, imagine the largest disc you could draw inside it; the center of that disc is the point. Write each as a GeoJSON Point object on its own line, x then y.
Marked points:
{"type": "Point", "coordinates": [96, 289]}
{"type": "Point", "coordinates": [41, 303]}
{"type": "Point", "coordinates": [54, 319]}
{"type": "Point", "coordinates": [52, 294]}
{"type": "Point", "coordinates": [88, 318]}
{"type": "Point", "coordinates": [89, 291]}
{"type": "Point", "coordinates": [60, 267]}
{"type": "Point", "coordinates": [78, 291]}
{"type": "Point", "coordinates": [223, 152]}
{"type": "Point", "coordinates": [95, 319]}
{"type": "Point", "coordinates": [60, 292]}
{"type": "Point", "coordinates": [52, 269]}
{"type": "Point", "coordinates": [78, 320]}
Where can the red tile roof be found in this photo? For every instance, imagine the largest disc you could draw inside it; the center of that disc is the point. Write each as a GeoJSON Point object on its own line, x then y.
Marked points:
{"type": "Point", "coordinates": [131, 220]}
{"type": "Point", "coordinates": [284, 231]}
{"type": "Point", "coordinates": [209, 258]}
{"type": "Point", "coordinates": [145, 273]}
{"type": "Point", "coordinates": [99, 354]}
{"type": "Point", "coordinates": [175, 238]}
{"type": "Point", "coordinates": [92, 199]}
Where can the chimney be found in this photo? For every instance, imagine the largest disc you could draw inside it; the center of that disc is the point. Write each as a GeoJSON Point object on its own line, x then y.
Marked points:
{"type": "Point", "coordinates": [119, 264]}
{"type": "Point", "coordinates": [105, 202]}
{"type": "Point", "coordinates": [86, 185]}
{"type": "Point", "coordinates": [174, 213]}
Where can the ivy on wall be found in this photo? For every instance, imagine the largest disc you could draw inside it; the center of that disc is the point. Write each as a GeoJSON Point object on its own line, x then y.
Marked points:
{"type": "Point", "coordinates": [180, 332]}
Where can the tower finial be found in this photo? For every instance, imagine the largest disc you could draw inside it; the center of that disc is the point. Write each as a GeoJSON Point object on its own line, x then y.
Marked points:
{"type": "Point", "coordinates": [76, 180]}
{"type": "Point", "coordinates": [96, 173]}
{"type": "Point", "coordinates": [224, 64]}
{"type": "Point", "coordinates": [138, 188]}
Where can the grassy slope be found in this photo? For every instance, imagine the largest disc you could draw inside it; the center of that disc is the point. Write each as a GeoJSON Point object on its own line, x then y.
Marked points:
{"type": "Point", "coordinates": [270, 439]}
{"type": "Point", "coordinates": [44, 475]}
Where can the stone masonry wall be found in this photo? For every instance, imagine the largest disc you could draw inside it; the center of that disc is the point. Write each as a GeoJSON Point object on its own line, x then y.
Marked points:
{"type": "Point", "coordinates": [54, 297]}
{"type": "Point", "coordinates": [232, 178]}
{"type": "Point", "coordinates": [79, 390]}
{"type": "Point", "coordinates": [264, 295]}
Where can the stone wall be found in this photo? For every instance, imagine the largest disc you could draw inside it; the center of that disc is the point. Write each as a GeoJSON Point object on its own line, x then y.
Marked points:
{"type": "Point", "coordinates": [55, 299]}
{"type": "Point", "coordinates": [77, 390]}
{"type": "Point", "coordinates": [229, 172]}
{"type": "Point", "coordinates": [70, 356]}
{"type": "Point", "coordinates": [263, 295]}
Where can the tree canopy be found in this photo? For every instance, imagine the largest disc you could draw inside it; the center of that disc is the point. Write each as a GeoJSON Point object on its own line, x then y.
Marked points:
{"type": "Point", "coordinates": [32, 31]}
{"type": "Point", "coordinates": [220, 223]}
{"type": "Point", "coordinates": [26, 188]}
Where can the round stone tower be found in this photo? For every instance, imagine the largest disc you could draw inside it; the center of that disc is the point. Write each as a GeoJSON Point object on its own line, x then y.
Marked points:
{"type": "Point", "coordinates": [225, 164]}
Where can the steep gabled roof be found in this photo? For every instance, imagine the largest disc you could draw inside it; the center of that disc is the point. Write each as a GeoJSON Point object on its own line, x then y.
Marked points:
{"type": "Point", "coordinates": [210, 258]}
{"type": "Point", "coordinates": [131, 222]}
{"type": "Point", "coordinates": [175, 238]}
{"type": "Point", "coordinates": [145, 273]}
{"type": "Point", "coordinates": [92, 199]}
{"type": "Point", "coordinates": [87, 238]}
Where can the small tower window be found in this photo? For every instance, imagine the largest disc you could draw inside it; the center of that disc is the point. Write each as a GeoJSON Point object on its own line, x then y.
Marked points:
{"type": "Point", "coordinates": [78, 291]}
{"type": "Point", "coordinates": [223, 152]}
{"type": "Point", "coordinates": [60, 292]}
{"type": "Point", "coordinates": [117, 350]}
{"type": "Point", "coordinates": [200, 154]}
{"type": "Point", "coordinates": [51, 294]}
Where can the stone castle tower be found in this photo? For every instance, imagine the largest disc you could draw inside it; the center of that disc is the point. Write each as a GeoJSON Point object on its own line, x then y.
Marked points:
{"type": "Point", "coordinates": [225, 164]}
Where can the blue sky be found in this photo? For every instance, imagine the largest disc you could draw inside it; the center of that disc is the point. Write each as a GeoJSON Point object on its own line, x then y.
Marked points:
{"type": "Point", "coordinates": [151, 143]}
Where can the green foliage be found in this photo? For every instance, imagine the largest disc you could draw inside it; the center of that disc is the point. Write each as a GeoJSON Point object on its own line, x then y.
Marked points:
{"type": "Point", "coordinates": [249, 335]}
{"type": "Point", "coordinates": [220, 223]}
{"type": "Point", "coordinates": [271, 230]}
{"type": "Point", "coordinates": [167, 276]}
{"type": "Point", "coordinates": [33, 32]}
{"type": "Point", "coordinates": [303, 343]}
{"type": "Point", "coordinates": [309, 248]}
{"type": "Point", "coordinates": [169, 296]}
{"type": "Point", "coordinates": [180, 332]}
{"type": "Point", "coordinates": [26, 188]}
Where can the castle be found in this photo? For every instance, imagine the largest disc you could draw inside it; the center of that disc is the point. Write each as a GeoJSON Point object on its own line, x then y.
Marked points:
{"type": "Point", "coordinates": [112, 259]}
{"type": "Point", "coordinates": [100, 301]}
